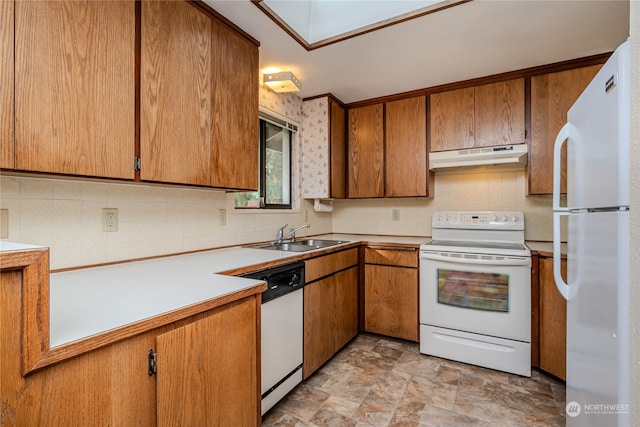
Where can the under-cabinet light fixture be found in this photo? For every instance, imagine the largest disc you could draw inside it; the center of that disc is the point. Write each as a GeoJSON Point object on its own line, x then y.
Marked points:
{"type": "Point", "coordinates": [283, 81]}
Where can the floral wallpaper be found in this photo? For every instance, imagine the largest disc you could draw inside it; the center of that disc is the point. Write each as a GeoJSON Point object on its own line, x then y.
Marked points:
{"type": "Point", "coordinates": [285, 104]}
{"type": "Point", "coordinates": [315, 149]}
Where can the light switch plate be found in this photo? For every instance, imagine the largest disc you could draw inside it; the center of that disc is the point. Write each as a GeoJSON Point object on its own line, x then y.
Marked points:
{"type": "Point", "coordinates": [4, 223]}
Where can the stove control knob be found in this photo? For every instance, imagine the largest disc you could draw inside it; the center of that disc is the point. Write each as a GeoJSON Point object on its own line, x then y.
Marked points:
{"type": "Point", "coordinates": [514, 218]}
{"type": "Point", "coordinates": [504, 218]}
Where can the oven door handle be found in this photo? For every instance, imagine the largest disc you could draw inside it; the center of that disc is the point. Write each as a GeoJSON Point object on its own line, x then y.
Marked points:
{"type": "Point", "coordinates": [502, 262]}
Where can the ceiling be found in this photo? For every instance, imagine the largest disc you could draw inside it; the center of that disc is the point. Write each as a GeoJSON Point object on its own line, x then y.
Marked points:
{"type": "Point", "coordinates": [475, 39]}
{"type": "Point", "coordinates": [316, 23]}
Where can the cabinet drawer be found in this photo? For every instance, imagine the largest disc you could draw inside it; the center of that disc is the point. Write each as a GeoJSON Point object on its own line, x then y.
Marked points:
{"type": "Point", "coordinates": [328, 264]}
{"type": "Point", "coordinates": [403, 257]}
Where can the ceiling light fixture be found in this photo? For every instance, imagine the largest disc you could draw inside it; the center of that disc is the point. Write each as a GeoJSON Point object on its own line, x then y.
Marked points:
{"type": "Point", "coordinates": [283, 81]}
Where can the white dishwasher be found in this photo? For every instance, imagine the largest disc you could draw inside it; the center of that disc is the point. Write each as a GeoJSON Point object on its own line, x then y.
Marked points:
{"type": "Point", "coordinates": [281, 331]}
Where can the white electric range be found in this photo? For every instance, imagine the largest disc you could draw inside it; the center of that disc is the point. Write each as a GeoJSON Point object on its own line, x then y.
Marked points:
{"type": "Point", "coordinates": [475, 290]}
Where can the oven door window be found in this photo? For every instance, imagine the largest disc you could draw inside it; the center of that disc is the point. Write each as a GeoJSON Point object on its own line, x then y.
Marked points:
{"type": "Point", "coordinates": [473, 290]}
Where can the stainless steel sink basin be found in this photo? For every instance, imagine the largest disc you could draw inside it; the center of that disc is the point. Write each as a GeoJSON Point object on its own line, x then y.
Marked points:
{"type": "Point", "coordinates": [281, 247]}
{"type": "Point", "coordinates": [319, 243]}
{"type": "Point", "coordinates": [299, 245]}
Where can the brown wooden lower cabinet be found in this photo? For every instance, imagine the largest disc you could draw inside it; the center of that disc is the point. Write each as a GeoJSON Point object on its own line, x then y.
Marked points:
{"type": "Point", "coordinates": [553, 321]}
{"type": "Point", "coordinates": [330, 308]}
{"type": "Point", "coordinates": [330, 317]}
{"type": "Point", "coordinates": [346, 307]}
{"type": "Point", "coordinates": [391, 293]}
{"type": "Point", "coordinates": [319, 319]}
{"type": "Point", "coordinates": [207, 370]}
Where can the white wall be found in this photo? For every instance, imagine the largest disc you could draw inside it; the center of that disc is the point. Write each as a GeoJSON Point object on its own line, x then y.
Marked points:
{"type": "Point", "coordinates": [65, 214]}
{"type": "Point", "coordinates": [461, 191]}
{"type": "Point", "coordinates": [635, 212]}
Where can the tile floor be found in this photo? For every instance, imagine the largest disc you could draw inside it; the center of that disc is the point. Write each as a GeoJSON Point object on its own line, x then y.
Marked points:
{"type": "Point", "coordinates": [378, 381]}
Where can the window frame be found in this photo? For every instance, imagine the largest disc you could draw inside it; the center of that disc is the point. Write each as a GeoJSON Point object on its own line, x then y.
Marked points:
{"type": "Point", "coordinates": [284, 123]}
{"type": "Point", "coordinates": [263, 167]}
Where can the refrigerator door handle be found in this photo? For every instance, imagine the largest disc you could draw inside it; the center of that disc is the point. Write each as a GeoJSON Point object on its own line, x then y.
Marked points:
{"type": "Point", "coordinates": [564, 288]}
{"type": "Point", "coordinates": [563, 136]}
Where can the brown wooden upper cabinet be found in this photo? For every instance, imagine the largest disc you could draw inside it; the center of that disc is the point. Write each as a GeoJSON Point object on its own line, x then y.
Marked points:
{"type": "Point", "coordinates": [551, 97]}
{"type": "Point", "coordinates": [387, 149]}
{"type": "Point", "coordinates": [235, 109]}
{"type": "Point", "coordinates": [452, 119]}
{"type": "Point", "coordinates": [7, 152]}
{"type": "Point", "coordinates": [337, 150]}
{"type": "Point", "coordinates": [405, 150]}
{"type": "Point", "coordinates": [366, 151]}
{"type": "Point", "coordinates": [199, 99]}
{"type": "Point", "coordinates": [480, 116]}
{"type": "Point", "coordinates": [74, 109]}
{"type": "Point", "coordinates": [176, 108]}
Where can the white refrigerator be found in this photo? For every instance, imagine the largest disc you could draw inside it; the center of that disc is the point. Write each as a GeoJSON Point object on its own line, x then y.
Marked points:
{"type": "Point", "coordinates": [597, 135]}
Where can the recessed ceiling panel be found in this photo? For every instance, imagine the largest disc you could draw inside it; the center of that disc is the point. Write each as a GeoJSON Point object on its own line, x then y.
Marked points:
{"type": "Point", "coordinates": [316, 23]}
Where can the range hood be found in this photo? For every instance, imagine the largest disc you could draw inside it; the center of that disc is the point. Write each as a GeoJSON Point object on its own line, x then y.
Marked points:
{"type": "Point", "coordinates": [515, 155]}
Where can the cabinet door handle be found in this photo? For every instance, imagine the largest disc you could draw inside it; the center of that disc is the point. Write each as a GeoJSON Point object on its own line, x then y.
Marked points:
{"type": "Point", "coordinates": [153, 362]}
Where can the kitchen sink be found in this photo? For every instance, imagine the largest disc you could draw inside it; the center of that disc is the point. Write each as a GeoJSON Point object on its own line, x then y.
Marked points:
{"type": "Point", "coordinates": [319, 243]}
{"type": "Point", "coordinates": [299, 245]}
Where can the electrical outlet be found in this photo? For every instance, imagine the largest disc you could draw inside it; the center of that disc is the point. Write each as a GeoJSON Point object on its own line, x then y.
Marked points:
{"type": "Point", "coordinates": [109, 219]}
{"type": "Point", "coordinates": [306, 215]}
{"type": "Point", "coordinates": [222, 217]}
{"type": "Point", "coordinates": [395, 215]}
{"type": "Point", "coordinates": [4, 223]}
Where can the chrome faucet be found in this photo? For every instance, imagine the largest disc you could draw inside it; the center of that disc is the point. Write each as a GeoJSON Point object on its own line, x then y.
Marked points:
{"type": "Point", "coordinates": [292, 233]}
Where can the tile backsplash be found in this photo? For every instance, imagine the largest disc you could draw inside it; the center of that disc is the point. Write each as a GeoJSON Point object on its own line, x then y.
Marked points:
{"type": "Point", "coordinates": [461, 191]}
{"type": "Point", "coordinates": [66, 215]}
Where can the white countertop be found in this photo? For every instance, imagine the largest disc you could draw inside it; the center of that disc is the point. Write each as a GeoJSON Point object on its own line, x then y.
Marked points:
{"type": "Point", "coordinates": [90, 301]}
{"type": "Point", "coordinates": [93, 300]}
{"type": "Point", "coordinates": [11, 246]}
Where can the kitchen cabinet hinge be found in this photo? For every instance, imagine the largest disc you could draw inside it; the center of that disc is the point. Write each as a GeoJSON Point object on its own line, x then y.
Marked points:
{"type": "Point", "coordinates": [153, 362]}
{"type": "Point", "coordinates": [136, 163]}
